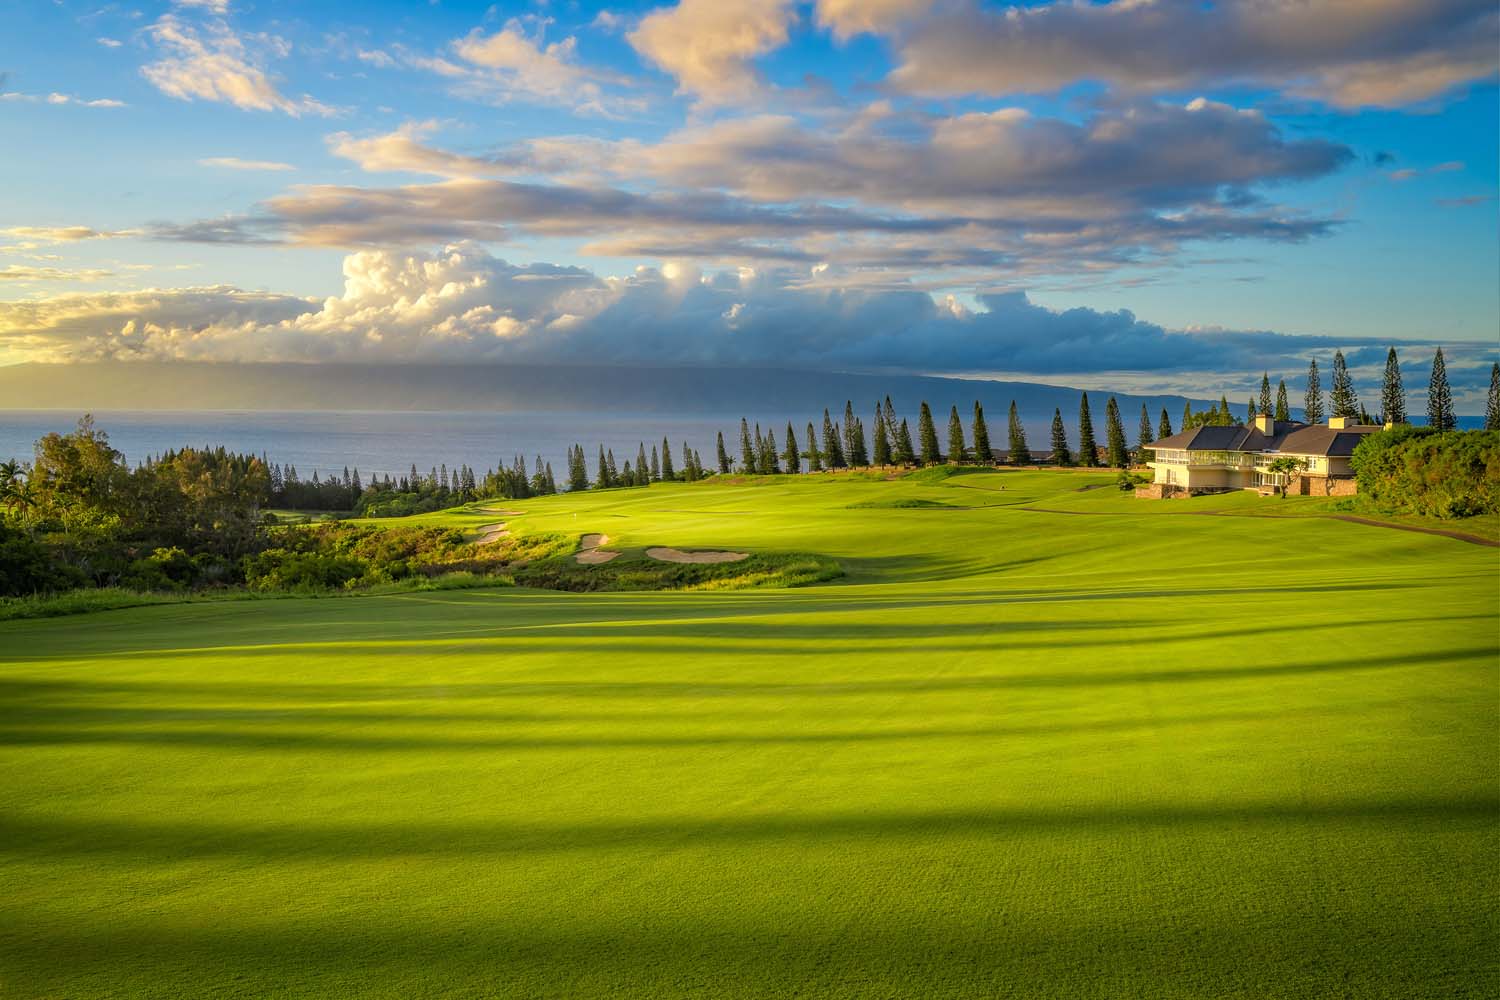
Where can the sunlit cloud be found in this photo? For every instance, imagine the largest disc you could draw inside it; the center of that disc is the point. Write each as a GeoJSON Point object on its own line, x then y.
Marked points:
{"type": "Point", "coordinates": [213, 63]}
{"type": "Point", "coordinates": [235, 163]}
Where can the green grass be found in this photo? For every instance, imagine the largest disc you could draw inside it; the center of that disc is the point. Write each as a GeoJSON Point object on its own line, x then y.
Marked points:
{"type": "Point", "coordinates": [1008, 753]}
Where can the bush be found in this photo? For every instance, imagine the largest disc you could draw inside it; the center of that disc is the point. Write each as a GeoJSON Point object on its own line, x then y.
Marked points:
{"type": "Point", "coordinates": [28, 567]}
{"type": "Point", "coordinates": [1418, 470]}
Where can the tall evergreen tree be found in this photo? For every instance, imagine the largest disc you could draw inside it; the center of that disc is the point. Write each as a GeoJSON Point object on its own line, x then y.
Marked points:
{"type": "Point", "coordinates": [1392, 393]}
{"type": "Point", "coordinates": [956, 448]}
{"type": "Point", "coordinates": [1312, 403]}
{"type": "Point", "coordinates": [814, 456]}
{"type": "Point", "coordinates": [833, 452]}
{"type": "Point", "coordinates": [578, 470]}
{"type": "Point", "coordinates": [893, 433]}
{"type": "Point", "coordinates": [655, 465]}
{"type": "Point", "coordinates": [860, 457]}
{"type": "Point", "coordinates": [1187, 415]}
{"type": "Point", "coordinates": [984, 454]}
{"type": "Point", "coordinates": [748, 460]}
{"type": "Point", "coordinates": [1283, 409]}
{"type": "Point", "coordinates": [1164, 426]}
{"type": "Point", "coordinates": [1114, 429]}
{"type": "Point", "coordinates": [609, 458]}
{"type": "Point", "coordinates": [1226, 417]}
{"type": "Point", "coordinates": [642, 469]}
{"type": "Point", "coordinates": [1060, 453]}
{"type": "Point", "coordinates": [1492, 404]}
{"type": "Point", "coordinates": [551, 480]}
{"type": "Point", "coordinates": [791, 457]}
{"type": "Point", "coordinates": [851, 453]}
{"type": "Point", "coordinates": [1344, 400]}
{"type": "Point", "coordinates": [1265, 394]}
{"type": "Point", "coordinates": [1088, 448]}
{"type": "Point", "coordinates": [927, 433]}
{"type": "Point", "coordinates": [667, 472]}
{"type": "Point", "coordinates": [1016, 435]}
{"type": "Point", "coordinates": [769, 464]}
{"type": "Point", "coordinates": [1250, 411]}
{"type": "Point", "coordinates": [905, 453]}
{"type": "Point", "coordinates": [882, 449]}
{"type": "Point", "coordinates": [1144, 437]}
{"type": "Point", "coordinates": [723, 455]}
{"type": "Point", "coordinates": [603, 482]}
{"type": "Point", "coordinates": [1439, 399]}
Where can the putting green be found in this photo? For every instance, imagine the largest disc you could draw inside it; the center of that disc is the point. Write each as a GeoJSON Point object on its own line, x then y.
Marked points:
{"type": "Point", "coordinates": [1011, 753]}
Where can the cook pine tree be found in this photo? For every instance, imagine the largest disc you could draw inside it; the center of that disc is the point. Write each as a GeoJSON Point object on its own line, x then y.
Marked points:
{"type": "Point", "coordinates": [1164, 426]}
{"type": "Point", "coordinates": [956, 449]}
{"type": "Point", "coordinates": [1144, 436]}
{"type": "Point", "coordinates": [833, 452]}
{"type": "Point", "coordinates": [723, 455]}
{"type": "Point", "coordinates": [791, 458]}
{"type": "Point", "coordinates": [1343, 400]}
{"type": "Point", "coordinates": [1283, 410]}
{"type": "Point", "coordinates": [882, 447]}
{"type": "Point", "coordinates": [748, 462]}
{"type": "Point", "coordinates": [1439, 399]}
{"type": "Point", "coordinates": [1016, 438]}
{"type": "Point", "coordinates": [1088, 448]}
{"type": "Point", "coordinates": [905, 453]}
{"type": "Point", "coordinates": [1060, 453]}
{"type": "Point", "coordinates": [927, 434]}
{"type": "Point", "coordinates": [814, 456]}
{"type": "Point", "coordinates": [983, 453]}
{"type": "Point", "coordinates": [1114, 430]}
{"type": "Point", "coordinates": [1392, 393]}
{"type": "Point", "coordinates": [1312, 402]}
{"type": "Point", "coordinates": [1265, 392]}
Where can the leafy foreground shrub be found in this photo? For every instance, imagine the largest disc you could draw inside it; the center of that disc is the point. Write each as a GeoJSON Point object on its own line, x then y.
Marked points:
{"type": "Point", "coordinates": [640, 573]}
{"type": "Point", "coordinates": [1418, 470]}
{"type": "Point", "coordinates": [27, 566]}
{"type": "Point", "coordinates": [347, 557]}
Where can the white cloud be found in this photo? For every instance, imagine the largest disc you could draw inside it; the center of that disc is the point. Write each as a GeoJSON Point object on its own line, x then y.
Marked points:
{"type": "Point", "coordinates": [235, 163]}
{"type": "Point", "coordinates": [463, 305]}
{"type": "Point", "coordinates": [707, 45]}
{"type": "Point", "coordinates": [215, 64]}
{"type": "Point", "coordinates": [109, 43]}
{"type": "Point", "coordinates": [847, 18]}
{"type": "Point", "coordinates": [27, 274]}
{"type": "Point", "coordinates": [64, 234]}
{"type": "Point", "coordinates": [57, 98]}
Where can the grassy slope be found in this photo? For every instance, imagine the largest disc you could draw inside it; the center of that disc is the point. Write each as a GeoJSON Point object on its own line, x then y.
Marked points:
{"type": "Point", "coordinates": [1011, 753]}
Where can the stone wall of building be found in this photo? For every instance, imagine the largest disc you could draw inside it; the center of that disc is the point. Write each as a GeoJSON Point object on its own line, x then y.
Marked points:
{"type": "Point", "coordinates": [1323, 486]}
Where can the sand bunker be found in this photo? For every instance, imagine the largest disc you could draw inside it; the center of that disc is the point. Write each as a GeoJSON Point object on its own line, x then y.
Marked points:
{"type": "Point", "coordinates": [492, 533]}
{"type": "Point", "coordinates": [592, 554]}
{"type": "Point", "coordinates": [678, 556]}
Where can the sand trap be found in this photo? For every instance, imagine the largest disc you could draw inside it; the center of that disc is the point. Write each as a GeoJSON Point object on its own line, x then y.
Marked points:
{"type": "Point", "coordinates": [492, 533]}
{"type": "Point", "coordinates": [592, 554]}
{"type": "Point", "coordinates": [679, 556]}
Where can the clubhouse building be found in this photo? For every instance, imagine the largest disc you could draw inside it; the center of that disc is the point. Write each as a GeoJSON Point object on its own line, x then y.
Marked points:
{"type": "Point", "coordinates": [1218, 459]}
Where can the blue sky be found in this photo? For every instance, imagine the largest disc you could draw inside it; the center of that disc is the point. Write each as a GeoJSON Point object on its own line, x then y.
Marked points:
{"type": "Point", "coordinates": [1154, 193]}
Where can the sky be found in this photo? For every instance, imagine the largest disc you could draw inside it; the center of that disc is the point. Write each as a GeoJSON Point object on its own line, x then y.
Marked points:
{"type": "Point", "coordinates": [1148, 195]}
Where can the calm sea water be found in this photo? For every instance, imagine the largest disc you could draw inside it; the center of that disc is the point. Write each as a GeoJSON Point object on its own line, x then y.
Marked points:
{"type": "Point", "coordinates": [381, 443]}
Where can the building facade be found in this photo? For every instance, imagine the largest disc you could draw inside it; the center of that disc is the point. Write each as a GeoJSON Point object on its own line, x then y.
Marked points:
{"type": "Point", "coordinates": [1217, 459]}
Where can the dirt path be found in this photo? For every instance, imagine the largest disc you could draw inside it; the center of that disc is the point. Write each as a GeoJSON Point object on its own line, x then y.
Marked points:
{"type": "Point", "coordinates": [661, 554]}
{"type": "Point", "coordinates": [1461, 536]}
{"type": "Point", "coordinates": [590, 554]}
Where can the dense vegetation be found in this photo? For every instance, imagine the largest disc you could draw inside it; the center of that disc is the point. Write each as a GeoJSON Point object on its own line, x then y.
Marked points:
{"type": "Point", "coordinates": [1420, 470]}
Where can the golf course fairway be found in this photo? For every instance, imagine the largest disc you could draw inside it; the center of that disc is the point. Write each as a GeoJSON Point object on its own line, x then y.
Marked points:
{"type": "Point", "coordinates": [1041, 739]}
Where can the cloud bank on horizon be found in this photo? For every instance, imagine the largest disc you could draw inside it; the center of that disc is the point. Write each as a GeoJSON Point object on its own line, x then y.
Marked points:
{"type": "Point", "coordinates": [935, 185]}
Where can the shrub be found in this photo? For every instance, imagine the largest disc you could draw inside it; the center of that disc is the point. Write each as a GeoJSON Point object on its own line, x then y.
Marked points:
{"type": "Point", "coordinates": [1418, 470]}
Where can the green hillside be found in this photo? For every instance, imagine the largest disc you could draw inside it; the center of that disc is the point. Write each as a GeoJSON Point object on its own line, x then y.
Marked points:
{"type": "Point", "coordinates": [1039, 739]}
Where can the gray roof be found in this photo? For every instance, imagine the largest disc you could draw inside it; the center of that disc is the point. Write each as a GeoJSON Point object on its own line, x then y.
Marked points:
{"type": "Point", "coordinates": [1290, 438]}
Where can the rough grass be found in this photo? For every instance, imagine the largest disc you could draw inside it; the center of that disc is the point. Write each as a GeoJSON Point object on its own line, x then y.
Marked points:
{"type": "Point", "coordinates": [1009, 753]}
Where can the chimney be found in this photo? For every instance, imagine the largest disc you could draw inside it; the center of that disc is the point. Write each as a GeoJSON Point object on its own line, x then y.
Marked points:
{"type": "Point", "coordinates": [1266, 424]}
{"type": "Point", "coordinates": [1338, 423]}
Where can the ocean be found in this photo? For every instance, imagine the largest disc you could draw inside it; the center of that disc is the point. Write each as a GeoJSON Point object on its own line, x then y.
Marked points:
{"type": "Point", "coordinates": [380, 443]}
